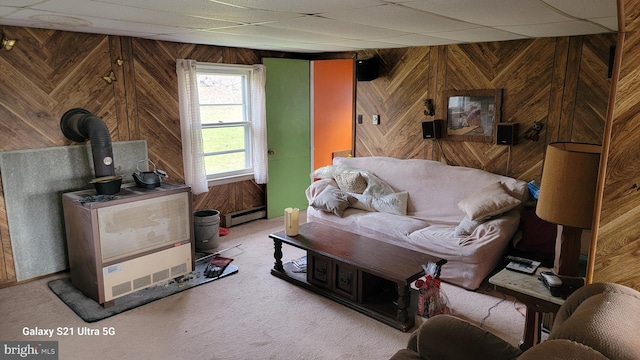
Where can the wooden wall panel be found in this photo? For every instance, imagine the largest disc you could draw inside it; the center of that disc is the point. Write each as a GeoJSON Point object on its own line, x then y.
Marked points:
{"type": "Point", "coordinates": [47, 73]}
{"type": "Point", "coordinates": [537, 86]}
{"type": "Point", "coordinates": [397, 97]}
{"type": "Point", "coordinates": [592, 93]}
{"type": "Point", "coordinates": [618, 242]}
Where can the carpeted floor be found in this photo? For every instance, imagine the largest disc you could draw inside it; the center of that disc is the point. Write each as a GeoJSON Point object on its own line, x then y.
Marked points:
{"type": "Point", "coordinates": [250, 315]}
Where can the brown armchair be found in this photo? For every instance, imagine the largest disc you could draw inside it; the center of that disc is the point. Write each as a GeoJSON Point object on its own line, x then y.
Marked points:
{"type": "Point", "coordinates": [598, 321]}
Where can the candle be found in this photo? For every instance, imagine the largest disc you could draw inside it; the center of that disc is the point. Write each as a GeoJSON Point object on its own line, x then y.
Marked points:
{"type": "Point", "coordinates": [291, 221]}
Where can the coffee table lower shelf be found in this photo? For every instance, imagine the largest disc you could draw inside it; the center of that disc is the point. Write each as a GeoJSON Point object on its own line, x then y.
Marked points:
{"type": "Point", "coordinates": [382, 306]}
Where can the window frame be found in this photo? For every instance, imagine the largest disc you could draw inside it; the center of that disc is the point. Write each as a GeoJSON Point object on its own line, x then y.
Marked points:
{"type": "Point", "coordinates": [240, 70]}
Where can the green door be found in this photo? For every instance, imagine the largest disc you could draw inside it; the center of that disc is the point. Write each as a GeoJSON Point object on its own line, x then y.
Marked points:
{"type": "Point", "coordinates": [288, 134]}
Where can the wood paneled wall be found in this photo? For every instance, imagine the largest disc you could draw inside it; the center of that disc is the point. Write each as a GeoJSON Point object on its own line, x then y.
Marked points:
{"type": "Point", "coordinates": [49, 72]}
{"type": "Point", "coordinates": [561, 82]}
{"type": "Point", "coordinates": [617, 244]}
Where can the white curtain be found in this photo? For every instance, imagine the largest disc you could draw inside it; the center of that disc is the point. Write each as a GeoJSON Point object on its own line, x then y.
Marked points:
{"type": "Point", "coordinates": [190, 127]}
{"type": "Point", "coordinates": [259, 123]}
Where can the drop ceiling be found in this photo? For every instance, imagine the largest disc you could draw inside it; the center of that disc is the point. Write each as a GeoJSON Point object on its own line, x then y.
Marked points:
{"type": "Point", "coordinates": [311, 26]}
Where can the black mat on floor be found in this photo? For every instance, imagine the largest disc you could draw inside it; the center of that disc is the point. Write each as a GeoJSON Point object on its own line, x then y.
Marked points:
{"type": "Point", "coordinates": [90, 311]}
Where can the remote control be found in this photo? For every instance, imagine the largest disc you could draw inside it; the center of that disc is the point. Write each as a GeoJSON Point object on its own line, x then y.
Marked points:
{"type": "Point", "coordinates": [519, 260]}
{"type": "Point", "coordinates": [550, 279]}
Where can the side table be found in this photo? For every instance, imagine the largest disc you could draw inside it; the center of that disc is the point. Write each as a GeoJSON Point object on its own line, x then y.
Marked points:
{"type": "Point", "coordinates": [531, 292]}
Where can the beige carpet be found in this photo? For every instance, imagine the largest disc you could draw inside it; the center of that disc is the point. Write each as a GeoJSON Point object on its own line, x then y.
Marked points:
{"type": "Point", "coordinates": [250, 315]}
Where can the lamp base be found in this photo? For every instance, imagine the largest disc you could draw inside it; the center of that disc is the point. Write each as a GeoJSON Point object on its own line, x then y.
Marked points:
{"type": "Point", "coordinates": [567, 252]}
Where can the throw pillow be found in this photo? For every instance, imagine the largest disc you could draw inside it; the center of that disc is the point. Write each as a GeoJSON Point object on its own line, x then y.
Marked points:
{"type": "Point", "coordinates": [329, 171]}
{"type": "Point", "coordinates": [489, 201]}
{"type": "Point", "coordinates": [467, 226]}
{"type": "Point", "coordinates": [352, 182]}
{"type": "Point", "coordinates": [395, 203]}
{"type": "Point", "coordinates": [333, 200]}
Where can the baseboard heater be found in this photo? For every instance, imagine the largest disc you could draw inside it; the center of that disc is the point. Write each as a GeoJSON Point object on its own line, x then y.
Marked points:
{"type": "Point", "coordinates": [240, 217]}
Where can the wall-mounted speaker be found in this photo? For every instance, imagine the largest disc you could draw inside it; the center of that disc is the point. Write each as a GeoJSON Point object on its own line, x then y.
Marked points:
{"type": "Point", "coordinates": [367, 69]}
{"type": "Point", "coordinates": [432, 129]}
{"type": "Point", "coordinates": [507, 134]}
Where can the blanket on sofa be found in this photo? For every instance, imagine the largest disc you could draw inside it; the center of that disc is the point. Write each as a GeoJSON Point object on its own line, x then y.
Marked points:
{"type": "Point", "coordinates": [464, 215]}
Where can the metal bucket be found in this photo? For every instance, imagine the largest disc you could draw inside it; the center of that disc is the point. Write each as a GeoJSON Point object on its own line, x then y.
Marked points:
{"type": "Point", "coordinates": [206, 229]}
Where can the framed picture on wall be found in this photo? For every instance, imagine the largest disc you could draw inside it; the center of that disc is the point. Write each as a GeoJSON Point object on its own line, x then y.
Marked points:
{"type": "Point", "coordinates": [473, 115]}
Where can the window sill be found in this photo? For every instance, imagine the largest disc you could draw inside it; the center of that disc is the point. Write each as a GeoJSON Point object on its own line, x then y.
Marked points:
{"type": "Point", "coordinates": [229, 180]}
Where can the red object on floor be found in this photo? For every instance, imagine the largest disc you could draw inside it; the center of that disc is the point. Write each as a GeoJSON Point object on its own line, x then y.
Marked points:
{"type": "Point", "coordinates": [224, 231]}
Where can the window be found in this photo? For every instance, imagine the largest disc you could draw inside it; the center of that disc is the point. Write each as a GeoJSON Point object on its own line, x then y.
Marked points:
{"type": "Point", "coordinates": [225, 114]}
{"type": "Point", "coordinates": [222, 122]}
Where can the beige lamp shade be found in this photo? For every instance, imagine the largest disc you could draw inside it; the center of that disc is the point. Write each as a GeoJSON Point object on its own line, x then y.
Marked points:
{"type": "Point", "coordinates": [568, 185]}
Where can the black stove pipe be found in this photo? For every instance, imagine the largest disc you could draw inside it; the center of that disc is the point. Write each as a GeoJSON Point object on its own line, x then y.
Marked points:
{"type": "Point", "coordinates": [80, 125]}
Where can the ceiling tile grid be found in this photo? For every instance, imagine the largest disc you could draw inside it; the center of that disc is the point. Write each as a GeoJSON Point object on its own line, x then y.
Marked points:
{"type": "Point", "coordinates": [310, 26]}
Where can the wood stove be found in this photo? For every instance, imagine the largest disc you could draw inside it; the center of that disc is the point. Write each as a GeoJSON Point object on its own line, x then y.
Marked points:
{"type": "Point", "coordinates": [126, 242]}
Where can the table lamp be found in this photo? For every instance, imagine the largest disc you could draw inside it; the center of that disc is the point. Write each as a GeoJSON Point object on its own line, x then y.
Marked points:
{"type": "Point", "coordinates": [567, 196]}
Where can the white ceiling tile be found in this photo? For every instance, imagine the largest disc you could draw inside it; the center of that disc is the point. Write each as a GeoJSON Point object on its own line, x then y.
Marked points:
{"type": "Point", "coordinates": [569, 28]}
{"type": "Point", "coordinates": [608, 22]}
{"type": "Point", "coordinates": [492, 12]}
{"type": "Point", "coordinates": [20, 3]}
{"type": "Point", "coordinates": [203, 8]}
{"type": "Point", "coordinates": [106, 26]}
{"type": "Point", "coordinates": [479, 35]}
{"type": "Point", "coordinates": [231, 40]}
{"type": "Point", "coordinates": [203, 37]}
{"type": "Point", "coordinates": [5, 10]}
{"type": "Point", "coordinates": [280, 33]}
{"type": "Point", "coordinates": [400, 18]}
{"type": "Point", "coordinates": [302, 6]}
{"type": "Point", "coordinates": [419, 40]}
{"type": "Point", "coordinates": [33, 18]}
{"type": "Point", "coordinates": [370, 44]}
{"type": "Point", "coordinates": [335, 28]}
{"type": "Point", "coordinates": [586, 9]}
{"type": "Point", "coordinates": [129, 14]}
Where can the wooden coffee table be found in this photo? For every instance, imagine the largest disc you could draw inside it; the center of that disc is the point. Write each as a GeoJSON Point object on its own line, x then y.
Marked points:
{"type": "Point", "coordinates": [367, 275]}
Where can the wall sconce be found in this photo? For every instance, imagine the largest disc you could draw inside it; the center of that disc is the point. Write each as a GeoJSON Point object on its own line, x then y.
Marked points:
{"type": "Point", "coordinates": [7, 44]}
{"type": "Point", "coordinates": [429, 110]}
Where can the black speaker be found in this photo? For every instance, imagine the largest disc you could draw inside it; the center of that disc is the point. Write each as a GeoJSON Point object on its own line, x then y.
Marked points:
{"type": "Point", "coordinates": [432, 129]}
{"type": "Point", "coordinates": [507, 134]}
{"type": "Point", "coordinates": [367, 69]}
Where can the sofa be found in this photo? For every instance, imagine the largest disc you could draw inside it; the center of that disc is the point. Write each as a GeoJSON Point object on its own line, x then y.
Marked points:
{"type": "Point", "coordinates": [464, 215]}
{"type": "Point", "coordinates": [598, 321]}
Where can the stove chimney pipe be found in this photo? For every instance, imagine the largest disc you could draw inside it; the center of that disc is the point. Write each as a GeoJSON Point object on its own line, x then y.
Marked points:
{"type": "Point", "coordinates": [80, 125]}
